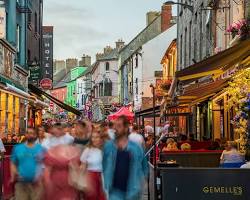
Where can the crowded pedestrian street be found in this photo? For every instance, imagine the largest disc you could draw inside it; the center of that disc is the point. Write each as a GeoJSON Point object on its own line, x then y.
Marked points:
{"type": "Point", "coordinates": [124, 100]}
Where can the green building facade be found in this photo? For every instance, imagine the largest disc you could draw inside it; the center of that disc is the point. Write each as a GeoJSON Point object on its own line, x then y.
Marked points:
{"type": "Point", "coordinates": [71, 85]}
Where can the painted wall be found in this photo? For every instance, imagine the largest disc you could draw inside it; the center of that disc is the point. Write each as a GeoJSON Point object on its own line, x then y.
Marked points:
{"type": "Point", "coordinates": [149, 61]}
{"type": "Point", "coordinates": [71, 86]}
{"type": "Point", "coordinates": [60, 94]}
{"type": "Point", "coordinates": [100, 74]}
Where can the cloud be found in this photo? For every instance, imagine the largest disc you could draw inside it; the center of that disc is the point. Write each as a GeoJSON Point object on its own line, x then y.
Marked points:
{"type": "Point", "coordinates": [74, 32]}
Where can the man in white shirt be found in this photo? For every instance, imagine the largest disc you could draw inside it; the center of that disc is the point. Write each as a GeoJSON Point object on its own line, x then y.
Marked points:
{"type": "Point", "coordinates": [136, 137]}
{"type": "Point", "coordinates": [59, 137]}
{"type": "Point", "coordinates": [111, 130]}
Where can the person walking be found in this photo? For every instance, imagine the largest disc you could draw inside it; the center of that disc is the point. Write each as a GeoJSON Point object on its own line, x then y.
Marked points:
{"type": "Point", "coordinates": [57, 172]}
{"type": "Point", "coordinates": [58, 137]}
{"type": "Point", "coordinates": [124, 165]}
{"type": "Point", "coordinates": [91, 160]}
{"type": "Point", "coordinates": [26, 168]}
{"type": "Point", "coordinates": [136, 137]}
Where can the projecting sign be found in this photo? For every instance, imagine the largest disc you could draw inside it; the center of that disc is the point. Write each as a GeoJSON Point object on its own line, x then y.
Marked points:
{"type": "Point", "coordinates": [47, 57]}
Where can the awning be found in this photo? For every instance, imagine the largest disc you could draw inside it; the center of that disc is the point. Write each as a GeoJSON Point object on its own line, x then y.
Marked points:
{"type": "Point", "coordinates": [218, 63]}
{"type": "Point", "coordinates": [200, 92]}
{"type": "Point", "coordinates": [148, 112]}
{"type": "Point", "coordinates": [64, 106]}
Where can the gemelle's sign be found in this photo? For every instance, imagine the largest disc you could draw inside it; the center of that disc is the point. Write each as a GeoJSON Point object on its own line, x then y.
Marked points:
{"type": "Point", "coordinates": [47, 58]}
{"type": "Point", "coordinates": [2, 23]}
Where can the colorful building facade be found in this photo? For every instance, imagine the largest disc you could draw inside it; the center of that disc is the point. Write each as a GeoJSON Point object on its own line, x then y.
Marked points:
{"type": "Point", "coordinates": [71, 86]}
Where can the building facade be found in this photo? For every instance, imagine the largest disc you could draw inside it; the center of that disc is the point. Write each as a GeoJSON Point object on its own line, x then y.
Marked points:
{"type": "Point", "coordinates": [105, 80]}
{"type": "Point", "coordinates": [16, 44]}
{"type": "Point", "coordinates": [157, 23]}
{"type": "Point", "coordinates": [71, 86]}
{"type": "Point", "coordinates": [195, 34]}
{"type": "Point", "coordinates": [212, 46]}
{"type": "Point", "coordinates": [146, 67]}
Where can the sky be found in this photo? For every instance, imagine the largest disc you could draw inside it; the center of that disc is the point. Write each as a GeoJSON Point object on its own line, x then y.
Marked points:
{"type": "Point", "coordinates": [87, 26]}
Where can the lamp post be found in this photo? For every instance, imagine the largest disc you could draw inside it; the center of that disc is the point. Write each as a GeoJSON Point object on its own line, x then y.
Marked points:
{"type": "Point", "coordinates": [191, 8]}
{"type": "Point", "coordinates": [154, 155]}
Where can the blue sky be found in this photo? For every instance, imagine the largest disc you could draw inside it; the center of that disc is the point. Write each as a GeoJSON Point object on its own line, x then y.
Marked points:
{"type": "Point", "coordinates": [86, 26]}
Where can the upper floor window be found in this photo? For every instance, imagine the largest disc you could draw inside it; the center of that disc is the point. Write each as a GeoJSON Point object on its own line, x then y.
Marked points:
{"type": "Point", "coordinates": [36, 22]}
{"type": "Point", "coordinates": [136, 60]}
{"type": "Point", "coordinates": [107, 66]}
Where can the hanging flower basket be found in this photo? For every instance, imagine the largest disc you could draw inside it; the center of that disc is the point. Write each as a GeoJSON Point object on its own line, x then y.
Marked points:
{"type": "Point", "coordinates": [240, 28]}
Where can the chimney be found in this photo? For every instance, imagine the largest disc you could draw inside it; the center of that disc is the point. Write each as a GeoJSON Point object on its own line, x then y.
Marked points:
{"type": "Point", "coordinates": [151, 16]}
{"type": "Point", "coordinates": [99, 56]}
{"type": "Point", "coordinates": [166, 17]}
{"type": "Point", "coordinates": [107, 50]}
{"type": "Point", "coordinates": [119, 44]}
{"type": "Point", "coordinates": [86, 61]}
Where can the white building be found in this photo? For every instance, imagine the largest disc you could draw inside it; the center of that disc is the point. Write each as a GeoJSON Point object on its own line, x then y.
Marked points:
{"type": "Point", "coordinates": [105, 81]}
{"type": "Point", "coordinates": [146, 64]}
{"type": "Point", "coordinates": [83, 89]}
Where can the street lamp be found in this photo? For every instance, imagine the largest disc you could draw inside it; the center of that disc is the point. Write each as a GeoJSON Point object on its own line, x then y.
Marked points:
{"type": "Point", "coordinates": [191, 8]}
{"type": "Point", "coordinates": [154, 155]}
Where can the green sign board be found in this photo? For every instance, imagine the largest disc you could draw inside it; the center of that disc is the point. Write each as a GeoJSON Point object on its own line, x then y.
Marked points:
{"type": "Point", "coordinates": [35, 73]}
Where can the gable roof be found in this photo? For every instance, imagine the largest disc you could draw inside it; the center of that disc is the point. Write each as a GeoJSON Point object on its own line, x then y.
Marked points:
{"type": "Point", "coordinates": [63, 81]}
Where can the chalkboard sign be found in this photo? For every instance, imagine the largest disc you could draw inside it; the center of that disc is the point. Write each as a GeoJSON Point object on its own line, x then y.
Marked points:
{"type": "Point", "coordinates": [205, 184]}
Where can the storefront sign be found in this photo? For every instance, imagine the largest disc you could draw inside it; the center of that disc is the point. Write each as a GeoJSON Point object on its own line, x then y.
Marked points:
{"type": "Point", "coordinates": [47, 59]}
{"type": "Point", "coordinates": [205, 184]}
{"type": "Point", "coordinates": [46, 84]}
{"type": "Point", "coordinates": [2, 23]}
{"type": "Point", "coordinates": [34, 77]}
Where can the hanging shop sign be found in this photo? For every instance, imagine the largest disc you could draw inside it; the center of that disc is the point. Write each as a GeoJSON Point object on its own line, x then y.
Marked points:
{"type": "Point", "coordinates": [2, 22]}
{"type": "Point", "coordinates": [46, 84]}
{"type": "Point", "coordinates": [47, 57]}
{"type": "Point", "coordinates": [34, 77]}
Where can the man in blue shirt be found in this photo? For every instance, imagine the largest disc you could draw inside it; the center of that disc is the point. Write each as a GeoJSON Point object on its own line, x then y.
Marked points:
{"type": "Point", "coordinates": [124, 165]}
{"type": "Point", "coordinates": [26, 168]}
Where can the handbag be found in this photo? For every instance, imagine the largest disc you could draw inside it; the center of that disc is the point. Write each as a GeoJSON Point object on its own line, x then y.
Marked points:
{"type": "Point", "coordinates": [77, 177]}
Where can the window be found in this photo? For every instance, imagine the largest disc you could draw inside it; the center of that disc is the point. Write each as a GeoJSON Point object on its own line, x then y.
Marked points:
{"type": "Point", "coordinates": [136, 60]}
{"type": "Point", "coordinates": [107, 66]}
{"type": "Point", "coordinates": [108, 88]}
{"type": "Point", "coordinates": [181, 51]}
{"type": "Point", "coordinates": [17, 38]}
{"type": "Point", "coordinates": [29, 56]}
{"type": "Point", "coordinates": [190, 44]}
{"type": "Point", "coordinates": [185, 48]}
{"type": "Point", "coordinates": [29, 18]}
{"type": "Point", "coordinates": [201, 34]}
{"type": "Point", "coordinates": [36, 23]}
{"type": "Point", "coordinates": [136, 86]}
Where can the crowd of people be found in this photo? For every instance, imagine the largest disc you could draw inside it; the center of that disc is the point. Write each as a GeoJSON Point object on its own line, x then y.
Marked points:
{"type": "Point", "coordinates": [80, 160]}
{"type": "Point", "coordinates": [107, 161]}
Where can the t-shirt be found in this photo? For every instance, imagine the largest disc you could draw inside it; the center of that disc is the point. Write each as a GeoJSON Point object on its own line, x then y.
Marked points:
{"type": "Point", "coordinates": [111, 133]}
{"type": "Point", "coordinates": [28, 161]}
{"type": "Point", "coordinates": [2, 149]}
{"type": "Point", "coordinates": [232, 156]}
{"type": "Point", "coordinates": [136, 138]}
{"type": "Point", "coordinates": [54, 141]}
{"type": "Point", "coordinates": [93, 157]}
{"type": "Point", "coordinates": [122, 168]}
